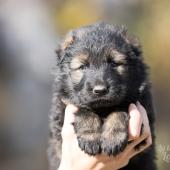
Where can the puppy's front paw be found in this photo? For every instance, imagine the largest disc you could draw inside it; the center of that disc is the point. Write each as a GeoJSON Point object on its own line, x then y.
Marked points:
{"type": "Point", "coordinates": [114, 137]}
{"type": "Point", "coordinates": [115, 144]}
{"type": "Point", "coordinates": [87, 127]}
{"type": "Point", "coordinates": [90, 144]}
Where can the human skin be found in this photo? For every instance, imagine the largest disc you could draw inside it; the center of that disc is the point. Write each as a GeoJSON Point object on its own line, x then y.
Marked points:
{"type": "Point", "coordinates": [73, 158]}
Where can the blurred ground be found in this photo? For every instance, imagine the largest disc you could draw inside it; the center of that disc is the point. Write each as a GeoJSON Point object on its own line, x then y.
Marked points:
{"type": "Point", "coordinates": [29, 33]}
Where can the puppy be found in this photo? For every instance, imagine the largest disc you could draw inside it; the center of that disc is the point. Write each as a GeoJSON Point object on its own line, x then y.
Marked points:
{"type": "Point", "coordinates": [100, 69]}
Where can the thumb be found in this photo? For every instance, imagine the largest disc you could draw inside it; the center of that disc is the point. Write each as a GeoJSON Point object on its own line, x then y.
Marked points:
{"type": "Point", "coordinates": [69, 118]}
{"type": "Point", "coordinates": [135, 122]}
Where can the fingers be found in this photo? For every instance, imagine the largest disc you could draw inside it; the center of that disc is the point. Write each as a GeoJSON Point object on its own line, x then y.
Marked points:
{"type": "Point", "coordinates": [138, 116]}
{"type": "Point", "coordinates": [137, 151]}
{"type": "Point", "coordinates": [68, 129]}
{"type": "Point", "coordinates": [142, 147]}
{"type": "Point", "coordinates": [146, 129]}
{"type": "Point", "coordinates": [135, 122]}
{"type": "Point", "coordinates": [137, 141]}
{"type": "Point", "coordinates": [146, 134]}
{"type": "Point", "coordinates": [69, 114]}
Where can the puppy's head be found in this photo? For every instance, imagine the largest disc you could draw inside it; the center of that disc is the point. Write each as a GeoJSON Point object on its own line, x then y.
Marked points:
{"type": "Point", "coordinates": [100, 65]}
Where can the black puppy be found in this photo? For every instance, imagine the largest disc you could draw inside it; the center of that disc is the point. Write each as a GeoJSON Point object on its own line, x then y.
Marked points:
{"type": "Point", "coordinates": [100, 69]}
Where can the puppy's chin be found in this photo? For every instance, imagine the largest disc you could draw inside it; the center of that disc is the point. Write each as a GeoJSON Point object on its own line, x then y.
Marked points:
{"type": "Point", "coordinates": [95, 103]}
{"type": "Point", "coordinates": [101, 103]}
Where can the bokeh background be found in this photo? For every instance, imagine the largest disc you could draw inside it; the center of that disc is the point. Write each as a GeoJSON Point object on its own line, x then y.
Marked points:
{"type": "Point", "coordinates": [29, 33]}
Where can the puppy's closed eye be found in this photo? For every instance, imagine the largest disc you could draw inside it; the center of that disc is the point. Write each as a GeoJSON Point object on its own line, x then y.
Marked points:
{"type": "Point", "coordinates": [114, 63]}
{"type": "Point", "coordinates": [82, 66]}
{"type": "Point", "coordinates": [79, 62]}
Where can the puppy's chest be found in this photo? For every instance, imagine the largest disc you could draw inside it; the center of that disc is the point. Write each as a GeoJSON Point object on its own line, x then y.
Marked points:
{"type": "Point", "coordinates": [104, 112]}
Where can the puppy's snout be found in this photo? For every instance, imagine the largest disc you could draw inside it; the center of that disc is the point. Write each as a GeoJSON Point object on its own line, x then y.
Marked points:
{"type": "Point", "coordinates": [100, 89]}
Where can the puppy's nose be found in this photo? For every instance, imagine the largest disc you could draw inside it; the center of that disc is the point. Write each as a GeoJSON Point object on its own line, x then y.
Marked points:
{"type": "Point", "coordinates": [100, 89]}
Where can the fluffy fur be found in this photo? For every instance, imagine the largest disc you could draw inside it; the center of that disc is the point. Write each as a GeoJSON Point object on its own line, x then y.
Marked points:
{"type": "Point", "coordinates": [100, 69]}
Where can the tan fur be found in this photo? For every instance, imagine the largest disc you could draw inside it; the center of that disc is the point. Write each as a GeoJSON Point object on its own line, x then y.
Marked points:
{"type": "Point", "coordinates": [91, 125]}
{"type": "Point", "coordinates": [90, 136]}
{"type": "Point", "coordinates": [69, 40]}
{"type": "Point", "coordinates": [118, 56]}
{"type": "Point", "coordinates": [120, 70]}
{"type": "Point", "coordinates": [77, 61]}
{"type": "Point", "coordinates": [76, 76]}
{"type": "Point", "coordinates": [113, 120]}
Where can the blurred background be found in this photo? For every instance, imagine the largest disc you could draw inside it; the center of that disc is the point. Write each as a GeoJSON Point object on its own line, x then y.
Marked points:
{"type": "Point", "coordinates": [29, 33]}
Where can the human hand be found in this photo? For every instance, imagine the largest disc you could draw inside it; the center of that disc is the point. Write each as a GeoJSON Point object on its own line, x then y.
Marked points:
{"type": "Point", "coordinates": [73, 158]}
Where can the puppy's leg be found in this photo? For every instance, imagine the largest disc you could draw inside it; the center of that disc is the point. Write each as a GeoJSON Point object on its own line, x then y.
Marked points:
{"type": "Point", "coordinates": [56, 119]}
{"type": "Point", "coordinates": [114, 136]}
{"type": "Point", "coordinates": [88, 129]}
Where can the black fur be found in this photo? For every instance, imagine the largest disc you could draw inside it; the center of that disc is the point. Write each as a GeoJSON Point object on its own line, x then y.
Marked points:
{"type": "Point", "coordinates": [102, 121]}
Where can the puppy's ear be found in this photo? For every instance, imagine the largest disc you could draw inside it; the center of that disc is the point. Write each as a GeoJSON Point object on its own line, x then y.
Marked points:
{"type": "Point", "coordinates": [73, 36]}
{"type": "Point", "coordinates": [63, 46]}
{"type": "Point", "coordinates": [70, 38]}
{"type": "Point", "coordinates": [60, 55]}
{"type": "Point", "coordinates": [132, 40]}
{"type": "Point", "coordinates": [135, 44]}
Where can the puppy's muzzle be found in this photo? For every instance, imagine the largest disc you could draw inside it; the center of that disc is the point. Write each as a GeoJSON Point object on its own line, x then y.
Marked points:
{"type": "Point", "coordinates": [100, 90]}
